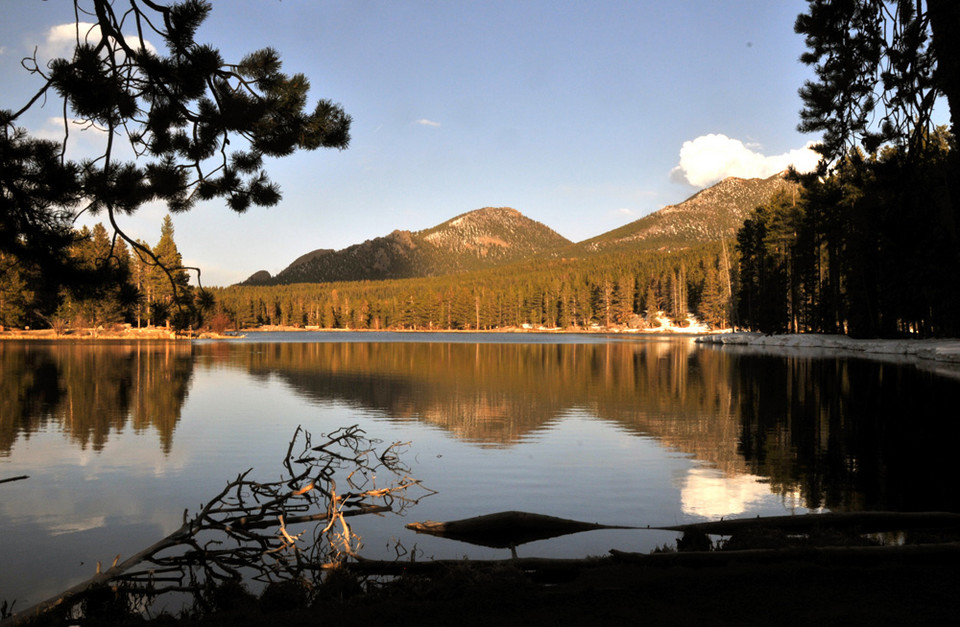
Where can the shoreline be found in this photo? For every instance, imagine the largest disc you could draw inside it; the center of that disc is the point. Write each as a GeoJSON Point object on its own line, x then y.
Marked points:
{"type": "Point", "coordinates": [683, 331]}
{"type": "Point", "coordinates": [164, 334]}
{"type": "Point", "coordinates": [944, 351]}
{"type": "Point", "coordinates": [157, 334]}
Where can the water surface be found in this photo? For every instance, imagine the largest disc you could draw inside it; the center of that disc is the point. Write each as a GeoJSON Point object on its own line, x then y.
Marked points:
{"type": "Point", "coordinates": [120, 438]}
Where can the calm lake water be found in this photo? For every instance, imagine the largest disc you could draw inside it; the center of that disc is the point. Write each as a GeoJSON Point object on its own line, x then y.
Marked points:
{"type": "Point", "coordinates": [118, 439]}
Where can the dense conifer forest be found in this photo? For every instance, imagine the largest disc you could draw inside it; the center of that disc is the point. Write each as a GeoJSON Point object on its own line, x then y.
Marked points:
{"type": "Point", "coordinates": [141, 287]}
{"type": "Point", "coordinates": [622, 289]}
{"type": "Point", "coordinates": [870, 250]}
{"type": "Point", "coordinates": [613, 290]}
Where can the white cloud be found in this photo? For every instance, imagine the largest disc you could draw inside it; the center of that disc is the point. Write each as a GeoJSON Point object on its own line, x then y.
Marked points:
{"type": "Point", "coordinates": [53, 128]}
{"type": "Point", "coordinates": [85, 140]}
{"type": "Point", "coordinates": [711, 158]}
{"type": "Point", "coordinates": [712, 494]}
{"type": "Point", "coordinates": [61, 39]}
{"type": "Point", "coordinates": [426, 122]}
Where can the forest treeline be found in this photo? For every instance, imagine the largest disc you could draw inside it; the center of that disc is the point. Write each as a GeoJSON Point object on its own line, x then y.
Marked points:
{"type": "Point", "coordinates": [614, 290]}
{"type": "Point", "coordinates": [871, 250]}
{"type": "Point", "coordinates": [632, 289]}
{"type": "Point", "coordinates": [113, 284]}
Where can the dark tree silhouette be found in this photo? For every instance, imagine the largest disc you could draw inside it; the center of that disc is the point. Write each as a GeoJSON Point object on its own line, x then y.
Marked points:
{"type": "Point", "coordinates": [199, 127]}
{"type": "Point", "coordinates": [884, 227]}
{"type": "Point", "coordinates": [881, 65]}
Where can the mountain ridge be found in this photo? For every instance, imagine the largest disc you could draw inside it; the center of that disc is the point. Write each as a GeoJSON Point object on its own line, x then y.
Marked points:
{"type": "Point", "coordinates": [494, 236]}
{"type": "Point", "coordinates": [470, 241]}
{"type": "Point", "coordinates": [710, 214]}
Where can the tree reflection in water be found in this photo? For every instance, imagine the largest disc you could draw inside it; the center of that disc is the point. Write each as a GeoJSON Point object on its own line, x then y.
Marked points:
{"type": "Point", "coordinates": [90, 390]}
{"type": "Point", "coordinates": [852, 434]}
{"type": "Point", "coordinates": [843, 433]}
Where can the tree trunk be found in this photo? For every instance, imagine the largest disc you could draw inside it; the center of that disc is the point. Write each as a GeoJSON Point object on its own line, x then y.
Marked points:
{"type": "Point", "coordinates": [945, 25]}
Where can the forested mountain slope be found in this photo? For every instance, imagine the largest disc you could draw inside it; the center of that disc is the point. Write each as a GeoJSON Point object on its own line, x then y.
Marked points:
{"type": "Point", "coordinates": [708, 216]}
{"type": "Point", "coordinates": [478, 239]}
{"type": "Point", "coordinates": [497, 236]}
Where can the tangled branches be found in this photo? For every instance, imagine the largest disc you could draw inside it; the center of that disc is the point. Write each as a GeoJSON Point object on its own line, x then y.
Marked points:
{"type": "Point", "coordinates": [292, 529]}
{"type": "Point", "coordinates": [180, 125]}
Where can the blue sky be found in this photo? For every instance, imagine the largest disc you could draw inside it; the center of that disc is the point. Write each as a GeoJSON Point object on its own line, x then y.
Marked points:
{"type": "Point", "coordinates": [582, 115]}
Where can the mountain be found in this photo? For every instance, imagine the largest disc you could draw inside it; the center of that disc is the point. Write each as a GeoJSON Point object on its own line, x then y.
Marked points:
{"type": "Point", "coordinates": [478, 239]}
{"type": "Point", "coordinates": [708, 215]}
{"type": "Point", "coordinates": [499, 235]}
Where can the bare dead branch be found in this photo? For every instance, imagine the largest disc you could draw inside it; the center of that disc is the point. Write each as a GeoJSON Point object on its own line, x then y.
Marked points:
{"type": "Point", "coordinates": [246, 531]}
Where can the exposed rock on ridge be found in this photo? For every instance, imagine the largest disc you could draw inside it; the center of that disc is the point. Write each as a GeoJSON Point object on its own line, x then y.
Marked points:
{"type": "Point", "coordinates": [709, 215]}
{"type": "Point", "coordinates": [471, 241]}
{"type": "Point", "coordinates": [499, 235]}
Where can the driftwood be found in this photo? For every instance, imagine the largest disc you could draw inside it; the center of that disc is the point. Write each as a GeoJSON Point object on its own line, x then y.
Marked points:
{"type": "Point", "coordinates": [506, 529]}
{"type": "Point", "coordinates": [861, 555]}
{"type": "Point", "coordinates": [511, 529]}
{"type": "Point", "coordinates": [244, 532]}
{"type": "Point", "coordinates": [861, 522]}
{"type": "Point", "coordinates": [17, 478]}
{"type": "Point", "coordinates": [435, 567]}
{"type": "Point", "coordinates": [836, 555]}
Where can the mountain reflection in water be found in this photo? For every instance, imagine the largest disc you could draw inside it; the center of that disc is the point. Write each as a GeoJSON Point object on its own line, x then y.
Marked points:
{"type": "Point", "coordinates": [118, 439]}
{"type": "Point", "coordinates": [841, 433]}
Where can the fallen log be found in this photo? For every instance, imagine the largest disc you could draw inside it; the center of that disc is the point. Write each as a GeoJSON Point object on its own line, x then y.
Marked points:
{"type": "Point", "coordinates": [829, 555]}
{"type": "Point", "coordinates": [242, 531]}
{"type": "Point", "coordinates": [506, 529]}
{"type": "Point", "coordinates": [836, 556]}
{"type": "Point", "coordinates": [432, 567]}
{"type": "Point", "coordinates": [862, 522]}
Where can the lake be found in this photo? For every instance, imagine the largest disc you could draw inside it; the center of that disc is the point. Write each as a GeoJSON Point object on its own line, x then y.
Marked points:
{"type": "Point", "coordinates": [119, 439]}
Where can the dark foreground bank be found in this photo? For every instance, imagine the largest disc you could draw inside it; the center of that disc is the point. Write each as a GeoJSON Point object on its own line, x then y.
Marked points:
{"type": "Point", "coordinates": [803, 589]}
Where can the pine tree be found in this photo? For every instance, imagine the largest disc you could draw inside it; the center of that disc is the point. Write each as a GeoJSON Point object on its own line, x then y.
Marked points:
{"type": "Point", "coordinates": [713, 303]}
{"type": "Point", "coordinates": [167, 281]}
{"type": "Point", "coordinates": [622, 302]}
{"type": "Point", "coordinates": [108, 304]}
{"type": "Point", "coordinates": [139, 278]}
{"type": "Point", "coordinates": [15, 297]}
{"type": "Point", "coordinates": [880, 66]}
{"type": "Point", "coordinates": [201, 128]}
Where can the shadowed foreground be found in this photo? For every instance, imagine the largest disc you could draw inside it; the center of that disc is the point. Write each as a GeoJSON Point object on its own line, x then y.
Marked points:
{"type": "Point", "coordinates": [899, 590]}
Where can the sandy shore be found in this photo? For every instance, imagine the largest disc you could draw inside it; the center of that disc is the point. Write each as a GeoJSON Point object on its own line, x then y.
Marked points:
{"type": "Point", "coordinates": [940, 351]}
{"type": "Point", "coordinates": [940, 354]}
{"type": "Point", "coordinates": [124, 333]}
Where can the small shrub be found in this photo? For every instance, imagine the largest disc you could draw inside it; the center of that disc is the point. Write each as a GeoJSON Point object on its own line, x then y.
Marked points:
{"type": "Point", "coordinates": [219, 323]}
{"type": "Point", "coordinates": [280, 596]}
{"type": "Point", "coordinates": [59, 326]}
{"type": "Point", "coordinates": [694, 541]}
{"type": "Point", "coordinates": [232, 596]}
{"type": "Point", "coordinates": [665, 548]}
{"type": "Point", "coordinates": [338, 585]}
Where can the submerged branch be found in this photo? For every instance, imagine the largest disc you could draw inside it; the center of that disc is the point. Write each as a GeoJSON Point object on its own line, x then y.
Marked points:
{"type": "Point", "coordinates": [864, 522]}
{"type": "Point", "coordinates": [244, 532]}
